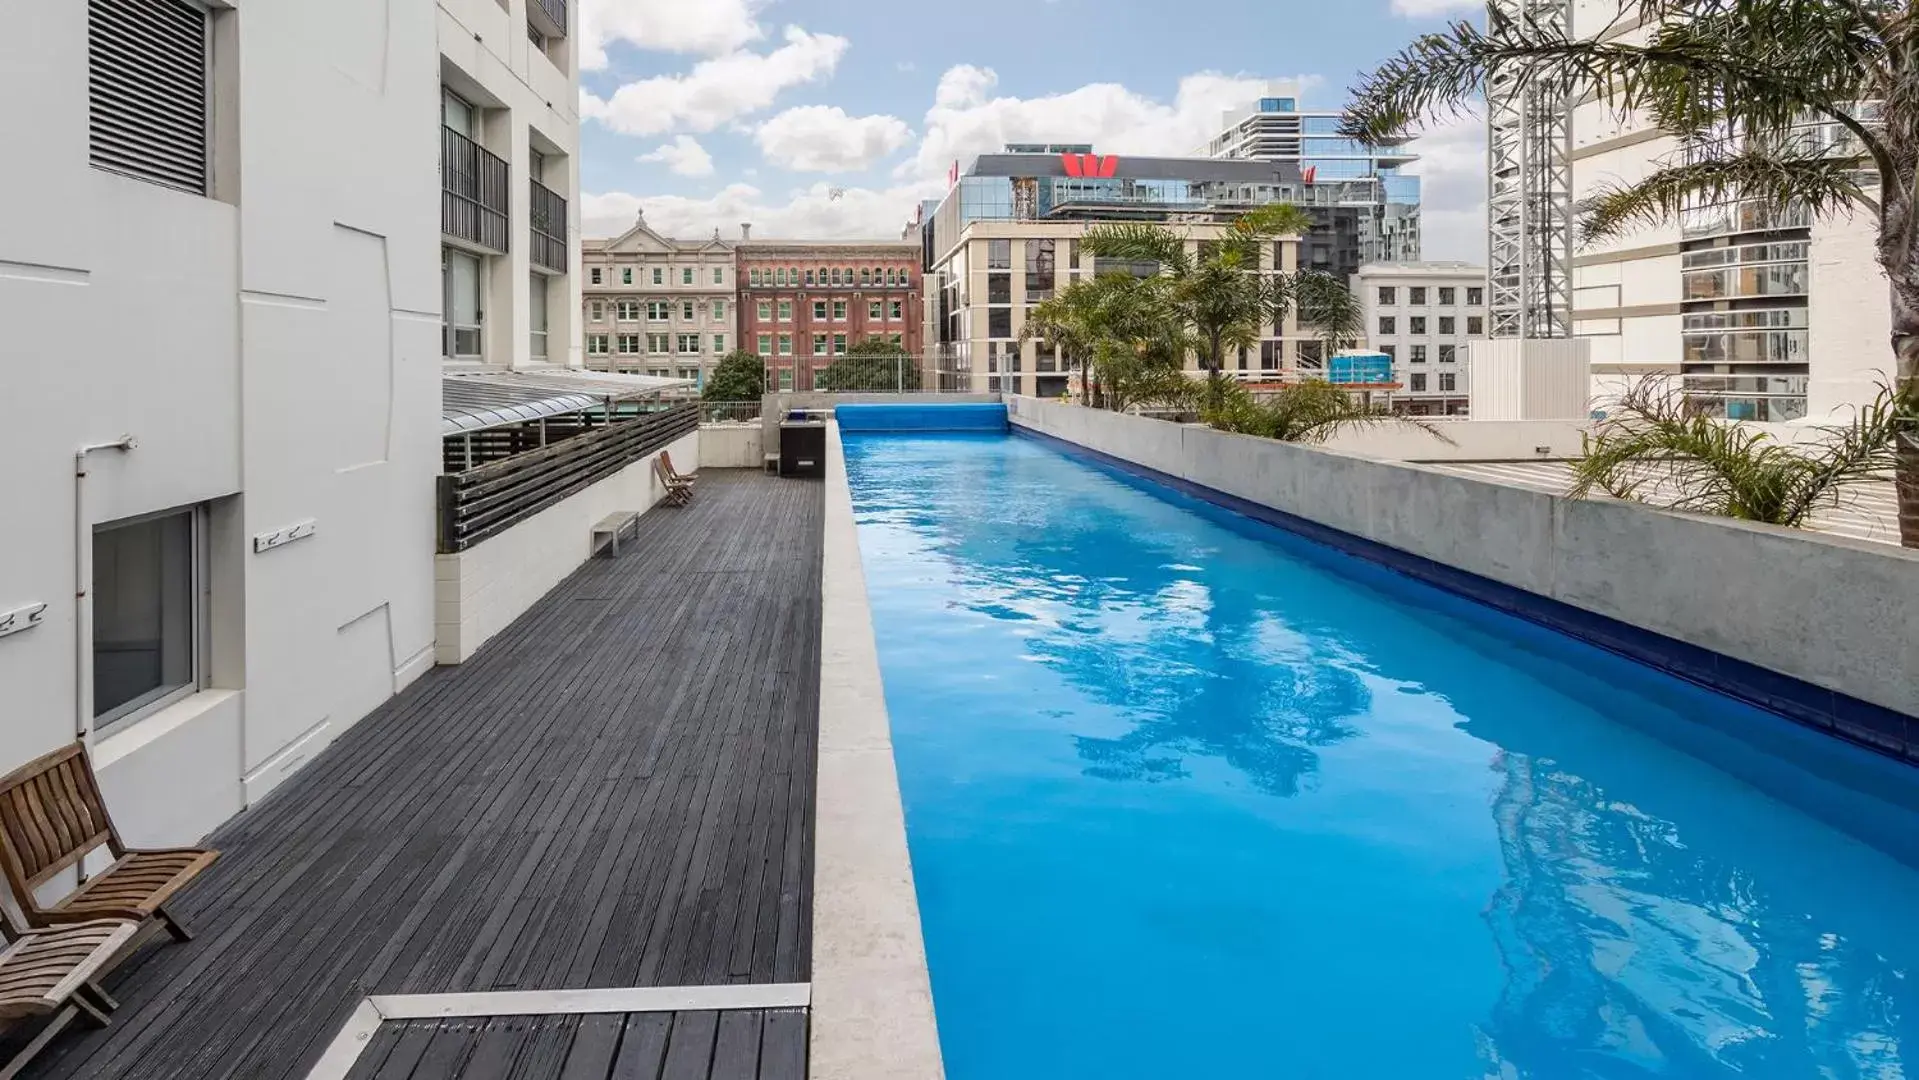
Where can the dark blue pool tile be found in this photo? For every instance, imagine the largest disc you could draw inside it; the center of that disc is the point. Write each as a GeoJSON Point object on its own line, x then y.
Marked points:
{"type": "Point", "coordinates": [1847, 717]}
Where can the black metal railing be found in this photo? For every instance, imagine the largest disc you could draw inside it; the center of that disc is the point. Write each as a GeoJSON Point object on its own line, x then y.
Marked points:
{"type": "Point", "coordinates": [555, 11]}
{"type": "Point", "coordinates": [546, 217]}
{"type": "Point", "coordinates": [479, 502]}
{"type": "Point", "coordinates": [473, 193]}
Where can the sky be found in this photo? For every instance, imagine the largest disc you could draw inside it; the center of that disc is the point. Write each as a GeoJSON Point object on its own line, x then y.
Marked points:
{"type": "Point", "coordinates": [831, 119]}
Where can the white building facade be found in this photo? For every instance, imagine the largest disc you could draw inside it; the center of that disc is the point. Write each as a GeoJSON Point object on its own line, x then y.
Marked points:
{"type": "Point", "coordinates": [1422, 315]}
{"type": "Point", "coordinates": [654, 305]}
{"type": "Point", "coordinates": [221, 554]}
{"type": "Point", "coordinates": [1758, 317]}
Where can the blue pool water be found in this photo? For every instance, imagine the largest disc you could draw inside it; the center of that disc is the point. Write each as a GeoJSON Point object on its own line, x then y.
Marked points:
{"type": "Point", "coordinates": [1188, 796]}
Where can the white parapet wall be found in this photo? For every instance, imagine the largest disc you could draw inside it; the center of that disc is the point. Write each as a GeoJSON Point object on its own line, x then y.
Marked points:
{"type": "Point", "coordinates": [731, 445]}
{"type": "Point", "coordinates": [1833, 613]}
{"type": "Point", "coordinates": [479, 591]}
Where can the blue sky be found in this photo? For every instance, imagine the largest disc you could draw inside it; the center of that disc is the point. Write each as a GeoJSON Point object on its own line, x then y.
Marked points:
{"type": "Point", "coordinates": [826, 118]}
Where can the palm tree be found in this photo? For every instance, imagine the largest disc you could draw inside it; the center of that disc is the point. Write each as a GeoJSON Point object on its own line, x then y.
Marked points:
{"type": "Point", "coordinates": [1218, 296]}
{"type": "Point", "coordinates": [1739, 82]}
{"type": "Point", "coordinates": [1307, 412]}
{"type": "Point", "coordinates": [1114, 328]}
{"type": "Point", "coordinates": [1656, 446]}
{"type": "Point", "coordinates": [1325, 304]}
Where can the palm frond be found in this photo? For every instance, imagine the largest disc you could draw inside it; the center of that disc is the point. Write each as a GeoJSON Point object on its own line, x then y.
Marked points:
{"type": "Point", "coordinates": [1135, 242]}
{"type": "Point", "coordinates": [1820, 183]}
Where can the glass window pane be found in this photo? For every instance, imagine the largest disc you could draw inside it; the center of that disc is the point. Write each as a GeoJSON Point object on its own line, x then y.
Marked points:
{"type": "Point", "coordinates": [143, 622]}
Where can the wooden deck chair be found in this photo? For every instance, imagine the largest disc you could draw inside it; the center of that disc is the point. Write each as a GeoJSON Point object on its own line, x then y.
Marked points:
{"type": "Point", "coordinates": [678, 492]}
{"type": "Point", "coordinates": [53, 973]}
{"type": "Point", "coordinates": [52, 817]}
{"type": "Point", "coordinates": [666, 459]}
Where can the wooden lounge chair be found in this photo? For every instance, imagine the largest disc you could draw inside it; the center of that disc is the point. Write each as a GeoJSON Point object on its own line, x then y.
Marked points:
{"type": "Point", "coordinates": [666, 459]}
{"type": "Point", "coordinates": [53, 972]}
{"type": "Point", "coordinates": [52, 817]}
{"type": "Point", "coordinates": [678, 492]}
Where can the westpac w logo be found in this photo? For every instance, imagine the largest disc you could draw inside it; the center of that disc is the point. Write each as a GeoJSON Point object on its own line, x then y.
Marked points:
{"type": "Point", "coordinates": [1089, 165]}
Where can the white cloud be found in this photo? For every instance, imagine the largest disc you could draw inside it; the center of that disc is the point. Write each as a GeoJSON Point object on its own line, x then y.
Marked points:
{"type": "Point", "coordinates": [966, 120]}
{"type": "Point", "coordinates": [822, 138]}
{"type": "Point", "coordinates": [684, 156]}
{"type": "Point", "coordinates": [1452, 171]}
{"type": "Point", "coordinates": [1426, 9]}
{"type": "Point", "coordinates": [716, 90]}
{"type": "Point", "coordinates": [819, 211]}
{"type": "Point", "coordinates": [706, 27]}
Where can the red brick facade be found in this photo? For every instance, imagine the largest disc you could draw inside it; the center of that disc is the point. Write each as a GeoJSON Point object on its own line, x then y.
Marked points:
{"type": "Point", "coordinates": [849, 279]}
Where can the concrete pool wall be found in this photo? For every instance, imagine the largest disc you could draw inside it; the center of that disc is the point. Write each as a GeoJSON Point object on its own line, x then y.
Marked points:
{"type": "Point", "coordinates": [1728, 604]}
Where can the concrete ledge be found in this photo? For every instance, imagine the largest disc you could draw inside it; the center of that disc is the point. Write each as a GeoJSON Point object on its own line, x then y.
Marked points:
{"type": "Point", "coordinates": [872, 999]}
{"type": "Point", "coordinates": [1813, 627]}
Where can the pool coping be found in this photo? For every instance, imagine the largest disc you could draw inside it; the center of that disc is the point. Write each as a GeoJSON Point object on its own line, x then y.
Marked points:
{"type": "Point", "coordinates": [872, 997]}
{"type": "Point", "coordinates": [1831, 712]}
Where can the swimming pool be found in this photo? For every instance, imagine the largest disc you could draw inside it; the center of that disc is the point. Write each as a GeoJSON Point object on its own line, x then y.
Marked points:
{"type": "Point", "coordinates": [1188, 796]}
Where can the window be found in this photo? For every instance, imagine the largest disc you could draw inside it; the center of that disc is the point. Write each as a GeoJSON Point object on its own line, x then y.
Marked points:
{"type": "Point", "coordinates": [765, 310]}
{"type": "Point", "coordinates": [719, 310]}
{"type": "Point", "coordinates": [659, 276]}
{"type": "Point", "coordinates": [719, 344]}
{"type": "Point", "coordinates": [873, 309]}
{"type": "Point", "coordinates": [599, 311]}
{"type": "Point", "coordinates": [656, 344]}
{"type": "Point", "coordinates": [719, 275]}
{"type": "Point", "coordinates": [1419, 382]}
{"type": "Point", "coordinates": [999, 288]}
{"type": "Point", "coordinates": [866, 276]}
{"type": "Point", "coordinates": [999, 322]}
{"type": "Point", "coordinates": [656, 310]}
{"type": "Point", "coordinates": [686, 275]}
{"type": "Point", "coordinates": [596, 275]}
{"type": "Point", "coordinates": [1419, 354]}
{"type": "Point", "coordinates": [627, 344]}
{"type": "Point", "coordinates": [765, 343]}
{"type": "Point", "coordinates": [1447, 323]}
{"type": "Point", "coordinates": [895, 308]}
{"type": "Point", "coordinates": [786, 344]}
{"type": "Point", "coordinates": [836, 275]}
{"type": "Point", "coordinates": [809, 277]}
{"type": "Point", "coordinates": [779, 276]}
{"type": "Point", "coordinates": [1475, 325]}
{"type": "Point", "coordinates": [1391, 351]}
{"type": "Point", "coordinates": [1446, 295]}
{"type": "Point", "coordinates": [819, 309]}
{"type": "Point", "coordinates": [999, 254]}
{"type": "Point", "coordinates": [689, 344]}
{"type": "Point", "coordinates": [686, 311]}
{"type": "Point", "coordinates": [456, 113]}
{"type": "Point", "coordinates": [1475, 296]}
{"type": "Point", "coordinates": [626, 275]}
{"type": "Point", "coordinates": [753, 276]}
{"type": "Point", "coordinates": [839, 344]}
{"type": "Point", "coordinates": [536, 318]}
{"type": "Point", "coordinates": [627, 310]}
{"type": "Point", "coordinates": [899, 341]}
{"type": "Point", "coordinates": [1388, 324]}
{"type": "Point", "coordinates": [786, 378]}
{"type": "Point", "coordinates": [786, 311]}
{"type": "Point", "coordinates": [596, 344]}
{"type": "Point", "coordinates": [819, 344]}
{"type": "Point", "coordinates": [1388, 294]}
{"type": "Point", "coordinates": [1448, 381]}
{"type": "Point", "coordinates": [1448, 353]}
{"type": "Point", "coordinates": [146, 613]}
{"type": "Point", "coordinates": [1418, 324]}
{"type": "Point", "coordinates": [1416, 294]}
{"type": "Point", "coordinates": [839, 311]}
{"type": "Point", "coordinates": [460, 284]}
{"type": "Point", "coordinates": [148, 112]}
{"type": "Point", "coordinates": [1072, 253]}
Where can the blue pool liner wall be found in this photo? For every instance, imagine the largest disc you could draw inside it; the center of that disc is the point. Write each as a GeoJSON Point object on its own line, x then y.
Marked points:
{"type": "Point", "coordinates": [955, 416]}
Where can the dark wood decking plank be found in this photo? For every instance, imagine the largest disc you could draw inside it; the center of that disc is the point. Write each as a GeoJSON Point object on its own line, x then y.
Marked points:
{"type": "Point", "coordinates": [689, 1053]}
{"type": "Point", "coordinates": [736, 1047]}
{"type": "Point", "coordinates": [595, 1045]}
{"type": "Point", "coordinates": [783, 1045]}
{"type": "Point", "coordinates": [643, 1046]}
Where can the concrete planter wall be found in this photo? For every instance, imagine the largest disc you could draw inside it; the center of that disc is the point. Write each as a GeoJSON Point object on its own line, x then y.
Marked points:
{"type": "Point", "coordinates": [1731, 605]}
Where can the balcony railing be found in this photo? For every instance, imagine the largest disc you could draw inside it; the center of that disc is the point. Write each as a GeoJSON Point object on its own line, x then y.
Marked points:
{"type": "Point", "coordinates": [546, 217]}
{"type": "Point", "coordinates": [548, 15]}
{"type": "Point", "coordinates": [472, 192]}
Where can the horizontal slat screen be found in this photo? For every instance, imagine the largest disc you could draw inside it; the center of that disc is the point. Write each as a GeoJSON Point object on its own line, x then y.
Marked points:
{"type": "Point", "coordinates": [148, 84]}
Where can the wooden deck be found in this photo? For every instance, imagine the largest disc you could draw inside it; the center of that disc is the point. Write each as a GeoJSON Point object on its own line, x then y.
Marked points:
{"type": "Point", "coordinates": [616, 791]}
{"type": "Point", "coordinates": [741, 1044]}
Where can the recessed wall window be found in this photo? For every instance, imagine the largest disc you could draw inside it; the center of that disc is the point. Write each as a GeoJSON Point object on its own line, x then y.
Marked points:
{"type": "Point", "coordinates": [1448, 353]}
{"type": "Point", "coordinates": [786, 311]}
{"type": "Point", "coordinates": [895, 308]}
{"type": "Point", "coordinates": [686, 275]}
{"type": "Point", "coordinates": [819, 309]}
{"type": "Point", "coordinates": [658, 279]}
{"type": "Point", "coordinates": [596, 344]}
{"type": "Point", "coordinates": [1446, 324]}
{"type": "Point", "coordinates": [1418, 324]}
{"type": "Point", "coordinates": [765, 310]}
{"type": "Point", "coordinates": [149, 79]}
{"type": "Point", "coordinates": [839, 344]}
{"type": "Point", "coordinates": [1388, 294]}
{"type": "Point", "coordinates": [1388, 324]}
{"type": "Point", "coordinates": [873, 309]}
{"type": "Point", "coordinates": [719, 276]}
{"type": "Point", "coordinates": [626, 275]}
{"type": "Point", "coordinates": [839, 311]}
{"type": "Point", "coordinates": [765, 343]}
{"type": "Point", "coordinates": [1446, 295]}
{"type": "Point", "coordinates": [1475, 325]}
{"type": "Point", "coordinates": [719, 344]}
{"type": "Point", "coordinates": [1418, 354]}
{"type": "Point", "coordinates": [536, 318]}
{"type": "Point", "coordinates": [1447, 381]}
{"type": "Point", "coordinates": [786, 344]}
{"type": "Point", "coordinates": [1416, 294]}
{"type": "Point", "coordinates": [599, 311]}
{"type": "Point", "coordinates": [146, 614]}
{"type": "Point", "coordinates": [1475, 296]}
{"type": "Point", "coordinates": [460, 286]}
{"type": "Point", "coordinates": [1419, 383]}
{"type": "Point", "coordinates": [719, 310]}
{"type": "Point", "coordinates": [596, 275]}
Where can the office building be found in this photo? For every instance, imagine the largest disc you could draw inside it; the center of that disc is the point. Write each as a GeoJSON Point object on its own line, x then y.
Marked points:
{"type": "Point", "coordinates": [1421, 315]}
{"type": "Point", "coordinates": [1757, 316]}
{"type": "Point", "coordinates": [1365, 206]}
{"type": "Point", "coordinates": [1008, 235]}
{"type": "Point", "coordinates": [803, 303]}
{"type": "Point", "coordinates": [659, 306]}
{"type": "Point", "coordinates": [220, 553]}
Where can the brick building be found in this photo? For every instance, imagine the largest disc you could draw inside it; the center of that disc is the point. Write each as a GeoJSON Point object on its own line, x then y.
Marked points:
{"type": "Point", "coordinates": [802, 303]}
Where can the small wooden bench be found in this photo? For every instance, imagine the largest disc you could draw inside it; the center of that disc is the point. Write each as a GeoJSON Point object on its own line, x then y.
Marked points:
{"type": "Point", "coordinates": [613, 525]}
{"type": "Point", "coordinates": [52, 818]}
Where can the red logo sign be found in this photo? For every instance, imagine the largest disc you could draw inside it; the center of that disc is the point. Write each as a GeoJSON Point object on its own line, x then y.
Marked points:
{"type": "Point", "coordinates": [952, 174]}
{"type": "Point", "coordinates": [1308, 173]}
{"type": "Point", "coordinates": [1089, 165]}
